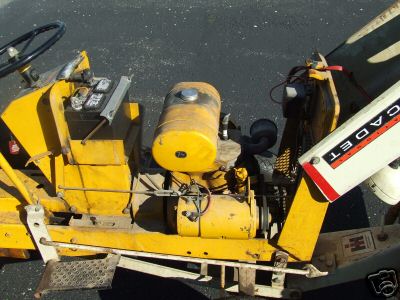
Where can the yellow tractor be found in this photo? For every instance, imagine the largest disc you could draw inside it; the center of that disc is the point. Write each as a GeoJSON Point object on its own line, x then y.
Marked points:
{"type": "Point", "coordinates": [204, 193]}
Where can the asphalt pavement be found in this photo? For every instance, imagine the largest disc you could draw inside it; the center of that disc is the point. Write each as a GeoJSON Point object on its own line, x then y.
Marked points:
{"type": "Point", "coordinates": [243, 48]}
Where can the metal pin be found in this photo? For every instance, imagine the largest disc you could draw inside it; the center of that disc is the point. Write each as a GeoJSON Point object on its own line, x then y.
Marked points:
{"type": "Point", "coordinates": [222, 277]}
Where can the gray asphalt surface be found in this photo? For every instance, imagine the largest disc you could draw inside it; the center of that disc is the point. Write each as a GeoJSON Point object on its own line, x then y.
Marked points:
{"type": "Point", "coordinates": [243, 48]}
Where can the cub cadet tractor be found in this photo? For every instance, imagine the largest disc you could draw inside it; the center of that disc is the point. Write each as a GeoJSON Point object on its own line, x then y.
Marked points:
{"type": "Point", "coordinates": [204, 193]}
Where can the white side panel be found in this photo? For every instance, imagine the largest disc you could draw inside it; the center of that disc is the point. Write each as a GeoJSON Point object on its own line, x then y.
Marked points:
{"type": "Point", "coordinates": [357, 149]}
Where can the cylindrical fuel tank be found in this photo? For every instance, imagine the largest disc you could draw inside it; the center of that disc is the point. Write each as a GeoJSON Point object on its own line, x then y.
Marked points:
{"type": "Point", "coordinates": [226, 217]}
{"type": "Point", "coordinates": [186, 137]}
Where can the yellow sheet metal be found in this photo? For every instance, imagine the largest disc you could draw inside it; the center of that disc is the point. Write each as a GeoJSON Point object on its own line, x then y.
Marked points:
{"type": "Point", "coordinates": [21, 187]}
{"type": "Point", "coordinates": [30, 119]}
{"type": "Point", "coordinates": [249, 250]}
{"type": "Point", "coordinates": [304, 221]}
{"type": "Point", "coordinates": [98, 152]}
{"type": "Point", "coordinates": [90, 176]}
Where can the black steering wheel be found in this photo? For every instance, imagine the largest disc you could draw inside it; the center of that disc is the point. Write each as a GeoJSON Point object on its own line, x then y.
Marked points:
{"type": "Point", "coordinates": [23, 58]}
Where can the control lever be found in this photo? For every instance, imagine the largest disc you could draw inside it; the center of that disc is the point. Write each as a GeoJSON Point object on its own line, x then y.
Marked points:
{"type": "Point", "coordinates": [86, 76]}
{"type": "Point", "coordinates": [94, 130]}
{"type": "Point", "coordinates": [69, 68]}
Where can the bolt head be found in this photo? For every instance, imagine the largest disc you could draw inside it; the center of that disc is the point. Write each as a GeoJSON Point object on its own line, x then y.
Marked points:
{"type": "Point", "coordinates": [382, 236]}
{"type": "Point", "coordinates": [315, 160]}
{"type": "Point", "coordinates": [65, 150]}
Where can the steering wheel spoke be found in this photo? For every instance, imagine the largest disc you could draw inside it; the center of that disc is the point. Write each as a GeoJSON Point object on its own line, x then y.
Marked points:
{"type": "Point", "coordinates": [28, 43]}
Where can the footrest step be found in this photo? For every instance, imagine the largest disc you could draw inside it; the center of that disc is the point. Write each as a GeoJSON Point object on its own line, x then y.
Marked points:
{"type": "Point", "coordinates": [78, 274]}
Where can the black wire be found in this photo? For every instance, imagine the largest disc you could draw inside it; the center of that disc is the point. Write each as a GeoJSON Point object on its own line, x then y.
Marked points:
{"type": "Point", "coordinates": [273, 89]}
{"type": "Point", "coordinates": [293, 71]}
{"type": "Point", "coordinates": [208, 198]}
{"type": "Point", "coordinates": [286, 81]}
{"type": "Point", "coordinates": [199, 211]}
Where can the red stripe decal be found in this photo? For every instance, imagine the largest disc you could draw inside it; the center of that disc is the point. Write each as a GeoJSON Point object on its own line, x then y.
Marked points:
{"type": "Point", "coordinates": [320, 181]}
{"type": "Point", "coordinates": [365, 142]}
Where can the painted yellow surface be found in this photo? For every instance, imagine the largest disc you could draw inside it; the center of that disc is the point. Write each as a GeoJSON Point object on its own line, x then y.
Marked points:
{"type": "Point", "coordinates": [90, 176]}
{"type": "Point", "coordinates": [59, 93]}
{"type": "Point", "coordinates": [11, 200]}
{"type": "Point", "coordinates": [304, 221]}
{"type": "Point", "coordinates": [186, 137]}
{"type": "Point", "coordinates": [22, 189]}
{"type": "Point", "coordinates": [254, 249]}
{"type": "Point", "coordinates": [216, 181]}
{"type": "Point", "coordinates": [132, 111]}
{"type": "Point", "coordinates": [226, 217]}
{"type": "Point", "coordinates": [98, 152]}
{"type": "Point", "coordinates": [15, 236]}
{"type": "Point", "coordinates": [44, 129]}
{"type": "Point", "coordinates": [85, 64]}
{"type": "Point", "coordinates": [30, 120]}
{"type": "Point", "coordinates": [241, 176]}
{"type": "Point", "coordinates": [38, 123]}
{"type": "Point", "coordinates": [14, 253]}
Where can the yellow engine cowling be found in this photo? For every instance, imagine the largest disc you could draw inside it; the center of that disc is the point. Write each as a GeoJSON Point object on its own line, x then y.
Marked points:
{"type": "Point", "coordinates": [186, 138]}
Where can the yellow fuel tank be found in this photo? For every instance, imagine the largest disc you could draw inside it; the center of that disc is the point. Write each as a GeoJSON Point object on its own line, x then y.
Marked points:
{"type": "Point", "coordinates": [187, 133]}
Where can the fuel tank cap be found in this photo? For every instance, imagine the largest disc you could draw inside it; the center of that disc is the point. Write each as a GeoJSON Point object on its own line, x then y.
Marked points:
{"type": "Point", "coordinates": [189, 95]}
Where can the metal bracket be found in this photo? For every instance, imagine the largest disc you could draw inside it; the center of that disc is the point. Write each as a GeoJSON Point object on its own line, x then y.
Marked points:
{"type": "Point", "coordinates": [203, 280]}
{"type": "Point", "coordinates": [309, 271]}
{"type": "Point", "coordinates": [116, 99]}
{"type": "Point", "coordinates": [38, 157]}
{"type": "Point", "coordinates": [69, 68]}
{"type": "Point", "coordinates": [37, 227]}
{"type": "Point", "coordinates": [278, 278]}
{"type": "Point", "coordinates": [247, 281]}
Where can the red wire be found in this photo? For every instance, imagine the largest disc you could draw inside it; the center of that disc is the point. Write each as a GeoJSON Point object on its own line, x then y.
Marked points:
{"type": "Point", "coordinates": [351, 77]}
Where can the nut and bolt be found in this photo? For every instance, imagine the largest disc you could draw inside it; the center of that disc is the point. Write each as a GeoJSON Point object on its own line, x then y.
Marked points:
{"type": "Point", "coordinates": [94, 220]}
{"type": "Point", "coordinates": [73, 241]}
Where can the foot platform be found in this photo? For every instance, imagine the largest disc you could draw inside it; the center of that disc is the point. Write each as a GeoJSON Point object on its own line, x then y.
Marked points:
{"type": "Point", "coordinates": [78, 274]}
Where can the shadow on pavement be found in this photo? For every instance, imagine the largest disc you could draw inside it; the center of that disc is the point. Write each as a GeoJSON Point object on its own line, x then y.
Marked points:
{"type": "Point", "coordinates": [348, 212]}
{"type": "Point", "coordinates": [133, 285]}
